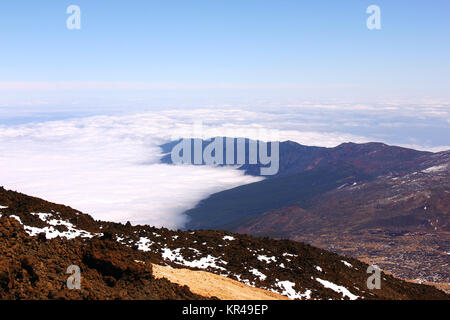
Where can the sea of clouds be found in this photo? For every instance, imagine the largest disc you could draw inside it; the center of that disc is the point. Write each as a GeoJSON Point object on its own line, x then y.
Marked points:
{"type": "Point", "coordinates": [109, 166]}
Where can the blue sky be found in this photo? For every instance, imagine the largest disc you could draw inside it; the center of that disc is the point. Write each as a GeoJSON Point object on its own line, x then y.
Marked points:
{"type": "Point", "coordinates": [308, 43]}
{"type": "Point", "coordinates": [136, 56]}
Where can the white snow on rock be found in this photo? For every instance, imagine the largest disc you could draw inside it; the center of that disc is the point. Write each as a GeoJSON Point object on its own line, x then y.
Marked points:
{"type": "Point", "coordinates": [287, 289]}
{"type": "Point", "coordinates": [245, 281]}
{"type": "Point", "coordinates": [289, 255]}
{"type": "Point", "coordinates": [435, 168]}
{"type": "Point", "coordinates": [347, 263]}
{"type": "Point", "coordinates": [42, 216]}
{"type": "Point", "coordinates": [230, 238]}
{"type": "Point", "coordinates": [261, 276]}
{"type": "Point", "coordinates": [51, 232]}
{"type": "Point", "coordinates": [16, 217]}
{"type": "Point", "coordinates": [319, 268]}
{"type": "Point", "coordinates": [144, 244]}
{"type": "Point", "coordinates": [203, 263]}
{"type": "Point", "coordinates": [267, 259]}
{"type": "Point", "coordinates": [2, 207]}
{"type": "Point", "coordinates": [340, 289]}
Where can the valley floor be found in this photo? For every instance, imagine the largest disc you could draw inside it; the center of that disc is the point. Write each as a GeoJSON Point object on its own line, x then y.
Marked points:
{"type": "Point", "coordinates": [416, 257]}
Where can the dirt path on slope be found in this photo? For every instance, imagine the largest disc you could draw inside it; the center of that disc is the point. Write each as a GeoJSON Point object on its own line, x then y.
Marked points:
{"type": "Point", "coordinates": [211, 285]}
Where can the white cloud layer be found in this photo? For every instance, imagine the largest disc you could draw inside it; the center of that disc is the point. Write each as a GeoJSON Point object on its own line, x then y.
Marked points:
{"type": "Point", "coordinates": [108, 166]}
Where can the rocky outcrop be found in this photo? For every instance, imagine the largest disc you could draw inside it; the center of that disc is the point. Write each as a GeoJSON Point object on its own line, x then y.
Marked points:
{"type": "Point", "coordinates": [35, 268]}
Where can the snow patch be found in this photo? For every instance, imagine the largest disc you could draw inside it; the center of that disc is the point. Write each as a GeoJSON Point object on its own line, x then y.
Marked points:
{"type": "Point", "coordinates": [435, 169]}
{"type": "Point", "coordinates": [42, 216]}
{"type": "Point", "coordinates": [287, 288]}
{"type": "Point", "coordinates": [340, 289]}
{"type": "Point", "coordinates": [289, 255]}
{"type": "Point", "coordinates": [347, 263]}
{"type": "Point", "coordinates": [51, 232]}
{"type": "Point", "coordinates": [203, 263]}
{"type": "Point", "coordinates": [266, 258]}
{"type": "Point", "coordinates": [144, 244]}
{"type": "Point", "coordinates": [261, 276]}
{"type": "Point", "coordinates": [246, 281]}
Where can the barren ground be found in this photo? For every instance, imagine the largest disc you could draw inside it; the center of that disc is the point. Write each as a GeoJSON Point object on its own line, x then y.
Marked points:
{"type": "Point", "coordinates": [211, 285]}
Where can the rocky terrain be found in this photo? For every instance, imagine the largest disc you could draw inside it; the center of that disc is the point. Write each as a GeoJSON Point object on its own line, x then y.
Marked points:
{"type": "Point", "coordinates": [379, 203]}
{"type": "Point", "coordinates": [41, 239]}
{"type": "Point", "coordinates": [35, 268]}
{"type": "Point", "coordinates": [401, 223]}
{"type": "Point", "coordinates": [307, 173]}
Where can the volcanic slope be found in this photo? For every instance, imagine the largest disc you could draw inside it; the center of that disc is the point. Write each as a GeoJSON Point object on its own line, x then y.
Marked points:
{"type": "Point", "coordinates": [116, 259]}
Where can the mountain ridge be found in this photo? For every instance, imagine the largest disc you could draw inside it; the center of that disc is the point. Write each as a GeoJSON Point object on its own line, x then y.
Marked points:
{"type": "Point", "coordinates": [111, 255]}
{"type": "Point", "coordinates": [339, 203]}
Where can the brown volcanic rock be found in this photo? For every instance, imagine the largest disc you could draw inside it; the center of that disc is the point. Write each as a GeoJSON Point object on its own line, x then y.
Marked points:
{"type": "Point", "coordinates": [22, 205]}
{"type": "Point", "coordinates": [34, 269]}
{"type": "Point", "coordinates": [116, 262]}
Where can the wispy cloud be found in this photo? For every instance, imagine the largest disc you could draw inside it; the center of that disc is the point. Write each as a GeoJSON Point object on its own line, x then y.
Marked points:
{"type": "Point", "coordinates": [108, 85]}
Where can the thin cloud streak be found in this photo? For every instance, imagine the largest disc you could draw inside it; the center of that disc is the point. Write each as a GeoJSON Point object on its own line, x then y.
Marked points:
{"type": "Point", "coordinates": [105, 85]}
